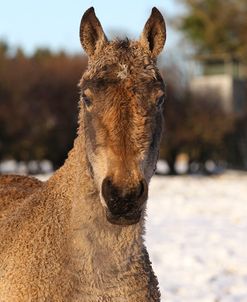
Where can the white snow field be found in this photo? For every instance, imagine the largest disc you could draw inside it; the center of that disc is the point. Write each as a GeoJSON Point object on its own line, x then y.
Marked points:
{"type": "Point", "coordinates": [197, 237]}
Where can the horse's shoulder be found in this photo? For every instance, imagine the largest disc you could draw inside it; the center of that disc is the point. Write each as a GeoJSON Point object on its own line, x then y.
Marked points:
{"type": "Point", "coordinates": [18, 180]}
{"type": "Point", "coordinates": [14, 189]}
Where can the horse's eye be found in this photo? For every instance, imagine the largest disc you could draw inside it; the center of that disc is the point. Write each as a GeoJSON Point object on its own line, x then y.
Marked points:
{"type": "Point", "coordinates": [87, 101]}
{"type": "Point", "coordinates": [160, 101]}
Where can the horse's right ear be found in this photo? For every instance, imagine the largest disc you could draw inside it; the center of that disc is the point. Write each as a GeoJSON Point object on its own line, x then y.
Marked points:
{"type": "Point", "coordinates": [92, 36]}
{"type": "Point", "coordinates": [154, 33]}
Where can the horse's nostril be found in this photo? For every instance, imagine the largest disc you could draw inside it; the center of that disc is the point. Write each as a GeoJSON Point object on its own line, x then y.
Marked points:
{"type": "Point", "coordinates": [140, 190]}
{"type": "Point", "coordinates": [107, 188]}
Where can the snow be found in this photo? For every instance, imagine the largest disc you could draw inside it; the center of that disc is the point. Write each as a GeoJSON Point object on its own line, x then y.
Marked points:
{"type": "Point", "coordinates": [197, 237]}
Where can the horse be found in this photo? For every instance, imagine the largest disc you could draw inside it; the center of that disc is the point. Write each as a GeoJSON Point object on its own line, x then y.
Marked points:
{"type": "Point", "coordinates": [78, 237]}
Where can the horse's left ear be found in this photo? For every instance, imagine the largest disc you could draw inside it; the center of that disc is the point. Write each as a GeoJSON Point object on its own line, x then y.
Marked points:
{"type": "Point", "coordinates": [154, 33]}
{"type": "Point", "coordinates": [92, 36]}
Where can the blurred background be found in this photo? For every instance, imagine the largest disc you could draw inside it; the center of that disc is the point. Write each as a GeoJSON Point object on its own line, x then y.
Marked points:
{"type": "Point", "coordinates": [197, 223]}
{"type": "Point", "coordinates": [204, 67]}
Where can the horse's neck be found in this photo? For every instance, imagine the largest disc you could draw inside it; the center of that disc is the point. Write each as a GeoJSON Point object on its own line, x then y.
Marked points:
{"type": "Point", "coordinates": [103, 259]}
{"type": "Point", "coordinates": [90, 232]}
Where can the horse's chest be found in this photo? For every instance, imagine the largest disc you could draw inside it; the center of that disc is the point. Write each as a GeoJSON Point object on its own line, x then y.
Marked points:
{"type": "Point", "coordinates": [102, 282]}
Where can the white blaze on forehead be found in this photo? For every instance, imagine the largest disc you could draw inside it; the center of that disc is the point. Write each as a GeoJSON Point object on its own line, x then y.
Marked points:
{"type": "Point", "coordinates": [123, 71]}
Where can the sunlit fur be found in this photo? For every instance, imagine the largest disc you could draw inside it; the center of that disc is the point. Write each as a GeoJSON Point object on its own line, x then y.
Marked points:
{"type": "Point", "coordinates": [123, 123]}
{"type": "Point", "coordinates": [56, 243]}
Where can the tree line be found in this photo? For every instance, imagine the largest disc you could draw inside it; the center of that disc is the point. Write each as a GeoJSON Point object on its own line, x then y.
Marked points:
{"type": "Point", "coordinates": [198, 126]}
{"type": "Point", "coordinates": [39, 108]}
{"type": "Point", "coordinates": [38, 104]}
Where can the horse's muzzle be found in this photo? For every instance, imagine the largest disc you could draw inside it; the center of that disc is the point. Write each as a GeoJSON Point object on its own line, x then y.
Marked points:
{"type": "Point", "coordinates": [124, 206]}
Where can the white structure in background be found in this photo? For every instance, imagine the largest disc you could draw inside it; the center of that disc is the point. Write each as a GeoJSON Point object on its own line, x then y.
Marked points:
{"type": "Point", "coordinates": [8, 166]}
{"type": "Point", "coordinates": [162, 167]}
{"type": "Point", "coordinates": [34, 167]}
{"type": "Point", "coordinates": [223, 79]}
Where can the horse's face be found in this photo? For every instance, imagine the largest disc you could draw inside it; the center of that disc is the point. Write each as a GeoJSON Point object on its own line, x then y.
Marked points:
{"type": "Point", "coordinates": [122, 96]}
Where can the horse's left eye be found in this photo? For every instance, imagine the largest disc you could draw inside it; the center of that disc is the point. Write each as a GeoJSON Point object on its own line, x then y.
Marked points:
{"type": "Point", "coordinates": [160, 101]}
{"type": "Point", "coordinates": [87, 101]}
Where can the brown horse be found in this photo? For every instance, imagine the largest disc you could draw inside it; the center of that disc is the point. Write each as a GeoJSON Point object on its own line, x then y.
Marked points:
{"type": "Point", "coordinates": [79, 236]}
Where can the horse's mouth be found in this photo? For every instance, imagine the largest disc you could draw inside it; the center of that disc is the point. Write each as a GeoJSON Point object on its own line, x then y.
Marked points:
{"type": "Point", "coordinates": [125, 219]}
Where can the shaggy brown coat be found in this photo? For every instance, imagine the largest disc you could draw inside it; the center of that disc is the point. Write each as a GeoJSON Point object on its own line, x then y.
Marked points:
{"type": "Point", "coordinates": [56, 243]}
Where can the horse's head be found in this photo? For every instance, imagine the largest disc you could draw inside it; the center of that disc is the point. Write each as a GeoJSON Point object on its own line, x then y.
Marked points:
{"type": "Point", "coordinates": [122, 95]}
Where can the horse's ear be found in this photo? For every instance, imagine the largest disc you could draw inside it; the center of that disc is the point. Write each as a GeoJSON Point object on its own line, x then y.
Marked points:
{"type": "Point", "coordinates": [92, 36]}
{"type": "Point", "coordinates": [154, 33]}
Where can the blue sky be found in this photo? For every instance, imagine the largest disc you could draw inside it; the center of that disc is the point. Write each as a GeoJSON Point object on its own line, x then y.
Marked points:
{"type": "Point", "coordinates": [55, 23]}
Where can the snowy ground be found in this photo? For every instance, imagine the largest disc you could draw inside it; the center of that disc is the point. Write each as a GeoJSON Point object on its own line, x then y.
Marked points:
{"type": "Point", "coordinates": [197, 237]}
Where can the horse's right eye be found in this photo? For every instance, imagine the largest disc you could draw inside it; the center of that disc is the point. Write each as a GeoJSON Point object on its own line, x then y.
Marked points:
{"type": "Point", "coordinates": [87, 101]}
{"type": "Point", "coordinates": [160, 101]}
